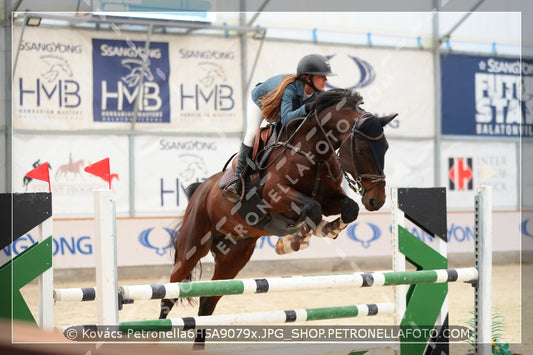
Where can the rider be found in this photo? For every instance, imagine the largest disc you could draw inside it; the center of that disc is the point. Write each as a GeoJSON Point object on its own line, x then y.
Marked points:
{"type": "Point", "coordinates": [280, 98]}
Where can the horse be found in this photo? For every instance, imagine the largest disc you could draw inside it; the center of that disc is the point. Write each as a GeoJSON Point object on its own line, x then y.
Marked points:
{"type": "Point", "coordinates": [71, 169]}
{"type": "Point", "coordinates": [296, 185]}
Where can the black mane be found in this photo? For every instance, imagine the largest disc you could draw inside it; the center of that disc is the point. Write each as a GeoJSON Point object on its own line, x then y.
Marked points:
{"type": "Point", "coordinates": [334, 96]}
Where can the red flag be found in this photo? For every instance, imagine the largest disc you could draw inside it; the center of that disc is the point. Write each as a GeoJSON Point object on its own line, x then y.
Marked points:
{"type": "Point", "coordinates": [100, 169]}
{"type": "Point", "coordinates": [41, 173]}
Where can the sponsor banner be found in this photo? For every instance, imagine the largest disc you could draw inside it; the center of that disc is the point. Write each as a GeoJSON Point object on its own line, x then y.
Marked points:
{"type": "Point", "coordinates": [384, 77]}
{"type": "Point", "coordinates": [487, 96]}
{"type": "Point", "coordinates": [124, 88]}
{"type": "Point", "coordinates": [467, 165]}
{"type": "Point", "coordinates": [52, 87]}
{"type": "Point", "coordinates": [410, 163]}
{"type": "Point", "coordinates": [72, 187]}
{"type": "Point", "coordinates": [67, 80]}
{"type": "Point", "coordinates": [147, 241]}
{"type": "Point", "coordinates": [165, 166]}
{"type": "Point", "coordinates": [206, 84]}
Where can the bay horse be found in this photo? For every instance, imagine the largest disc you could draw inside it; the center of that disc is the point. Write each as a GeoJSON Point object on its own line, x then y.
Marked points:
{"type": "Point", "coordinates": [298, 184]}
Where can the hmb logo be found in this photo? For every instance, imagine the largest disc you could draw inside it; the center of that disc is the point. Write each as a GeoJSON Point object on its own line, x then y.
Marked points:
{"type": "Point", "coordinates": [460, 174]}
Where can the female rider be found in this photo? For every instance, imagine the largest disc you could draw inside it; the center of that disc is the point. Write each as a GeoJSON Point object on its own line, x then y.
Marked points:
{"type": "Point", "coordinates": [282, 97]}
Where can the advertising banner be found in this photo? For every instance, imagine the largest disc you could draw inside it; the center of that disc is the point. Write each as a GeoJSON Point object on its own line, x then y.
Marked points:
{"type": "Point", "coordinates": [390, 81]}
{"type": "Point", "coordinates": [206, 85]}
{"type": "Point", "coordinates": [52, 86]}
{"type": "Point", "coordinates": [165, 166]}
{"type": "Point", "coordinates": [487, 96]}
{"type": "Point", "coordinates": [147, 241]}
{"type": "Point", "coordinates": [68, 155]}
{"type": "Point", "coordinates": [465, 165]}
{"type": "Point", "coordinates": [69, 80]}
{"type": "Point", "coordinates": [124, 88]}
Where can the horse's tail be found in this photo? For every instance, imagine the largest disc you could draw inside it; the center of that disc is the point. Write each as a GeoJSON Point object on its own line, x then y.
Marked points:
{"type": "Point", "coordinates": [189, 191]}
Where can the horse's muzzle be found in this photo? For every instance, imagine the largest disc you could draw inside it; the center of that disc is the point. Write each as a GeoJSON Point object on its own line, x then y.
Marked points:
{"type": "Point", "coordinates": [372, 204]}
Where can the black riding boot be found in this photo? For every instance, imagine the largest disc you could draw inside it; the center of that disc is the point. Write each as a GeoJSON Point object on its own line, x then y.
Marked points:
{"type": "Point", "coordinates": [234, 190]}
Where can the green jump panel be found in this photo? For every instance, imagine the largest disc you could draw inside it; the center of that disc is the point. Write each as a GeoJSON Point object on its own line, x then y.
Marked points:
{"type": "Point", "coordinates": [17, 273]}
{"type": "Point", "coordinates": [424, 301]}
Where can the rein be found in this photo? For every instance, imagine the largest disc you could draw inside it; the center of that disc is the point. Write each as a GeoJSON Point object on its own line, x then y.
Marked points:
{"type": "Point", "coordinates": [356, 183]}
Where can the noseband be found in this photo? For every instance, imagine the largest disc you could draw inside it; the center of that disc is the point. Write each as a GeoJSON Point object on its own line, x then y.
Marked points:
{"type": "Point", "coordinates": [356, 183]}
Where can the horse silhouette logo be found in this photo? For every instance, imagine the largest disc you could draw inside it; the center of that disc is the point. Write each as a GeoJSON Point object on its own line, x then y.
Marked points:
{"type": "Point", "coordinates": [137, 69]}
{"type": "Point", "coordinates": [157, 239]}
{"type": "Point", "coordinates": [210, 74]}
{"type": "Point", "coordinates": [193, 166]}
{"type": "Point", "coordinates": [376, 234]}
{"type": "Point", "coordinates": [70, 170]}
{"type": "Point", "coordinates": [57, 66]}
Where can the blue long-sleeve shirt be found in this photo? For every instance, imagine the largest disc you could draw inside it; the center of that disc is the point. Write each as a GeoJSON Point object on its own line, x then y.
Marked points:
{"type": "Point", "coordinates": [291, 101]}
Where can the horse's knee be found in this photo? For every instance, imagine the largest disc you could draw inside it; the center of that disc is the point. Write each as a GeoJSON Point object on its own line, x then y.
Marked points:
{"type": "Point", "coordinates": [349, 210]}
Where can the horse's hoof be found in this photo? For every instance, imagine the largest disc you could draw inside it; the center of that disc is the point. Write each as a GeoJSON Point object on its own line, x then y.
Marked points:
{"type": "Point", "coordinates": [279, 248]}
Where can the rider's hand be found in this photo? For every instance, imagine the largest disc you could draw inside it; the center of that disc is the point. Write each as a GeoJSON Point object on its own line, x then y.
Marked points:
{"type": "Point", "coordinates": [310, 106]}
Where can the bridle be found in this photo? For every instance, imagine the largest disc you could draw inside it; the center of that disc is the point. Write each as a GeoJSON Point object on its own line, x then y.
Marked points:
{"type": "Point", "coordinates": [349, 160]}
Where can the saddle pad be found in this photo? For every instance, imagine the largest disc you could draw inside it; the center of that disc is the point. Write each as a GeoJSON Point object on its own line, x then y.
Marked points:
{"type": "Point", "coordinates": [229, 175]}
{"type": "Point", "coordinates": [227, 178]}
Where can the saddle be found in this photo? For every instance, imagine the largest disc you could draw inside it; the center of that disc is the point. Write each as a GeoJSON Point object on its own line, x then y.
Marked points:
{"type": "Point", "coordinates": [264, 137]}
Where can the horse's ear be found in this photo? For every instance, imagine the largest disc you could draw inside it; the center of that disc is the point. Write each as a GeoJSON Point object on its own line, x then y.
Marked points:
{"type": "Point", "coordinates": [384, 120]}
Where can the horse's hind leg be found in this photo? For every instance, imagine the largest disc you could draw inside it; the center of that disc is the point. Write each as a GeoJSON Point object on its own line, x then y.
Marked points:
{"type": "Point", "coordinates": [230, 257]}
{"type": "Point", "coordinates": [192, 244]}
{"type": "Point", "coordinates": [229, 260]}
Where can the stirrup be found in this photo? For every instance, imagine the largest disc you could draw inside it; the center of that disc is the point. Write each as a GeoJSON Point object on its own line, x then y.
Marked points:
{"type": "Point", "coordinates": [233, 195]}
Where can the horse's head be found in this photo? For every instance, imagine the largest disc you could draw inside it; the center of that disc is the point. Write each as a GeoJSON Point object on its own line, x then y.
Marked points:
{"type": "Point", "coordinates": [362, 155]}
{"type": "Point", "coordinates": [362, 143]}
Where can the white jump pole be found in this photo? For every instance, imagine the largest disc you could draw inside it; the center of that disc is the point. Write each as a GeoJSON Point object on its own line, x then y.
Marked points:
{"type": "Point", "coordinates": [398, 259]}
{"type": "Point", "coordinates": [483, 251]}
{"type": "Point", "coordinates": [106, 257]}
{"type": "Point", "coordinates": [46, 284]}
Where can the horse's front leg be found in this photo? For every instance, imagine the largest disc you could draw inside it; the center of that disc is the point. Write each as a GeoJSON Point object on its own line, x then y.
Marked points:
{"type": "Point", "coordinates": [294, 242]}
{"type": "Point", "coordinates": [308, 211]}
{"type": "Point", "coordinates": [349, 210]}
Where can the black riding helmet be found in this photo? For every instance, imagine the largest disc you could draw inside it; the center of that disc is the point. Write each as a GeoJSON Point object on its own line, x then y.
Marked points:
{"type": "Point", "coordinates": [313, 64]}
